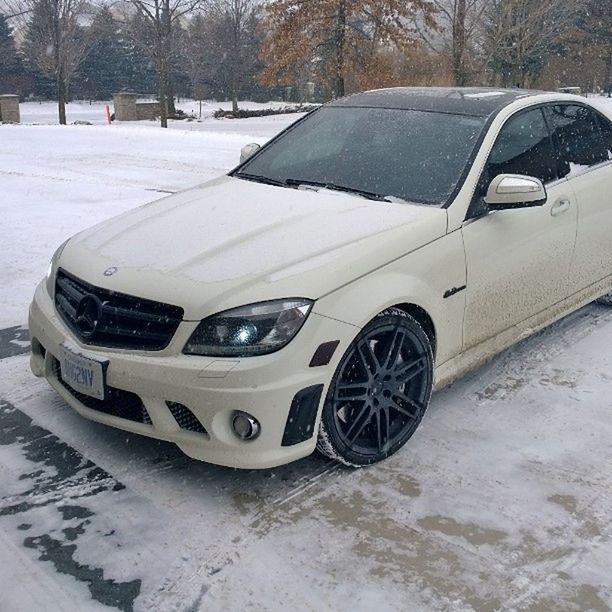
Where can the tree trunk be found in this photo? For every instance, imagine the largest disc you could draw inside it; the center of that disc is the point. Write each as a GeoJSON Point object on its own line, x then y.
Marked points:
{"type": "Point", "coordinates": [163, 103]}
{"type": "Point", "coordinates": [61, 98]}
{"type": "Point", "coordinates": [608, 84]}
{"type": "Point", "coordinates": [170, 96]}
{"type": "Point", "coordinates": [459, 42]}
{"type": "Point", "coordinates": [339, 48]}
{"type": "Point", "coordinates": [163, 46]}
{"type": "Point", "coordinates": [234, 94]}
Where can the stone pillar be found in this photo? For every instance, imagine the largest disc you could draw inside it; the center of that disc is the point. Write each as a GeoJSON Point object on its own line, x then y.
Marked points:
{"type": "Point", "coordinates": [125, 106]}
{"type": "Point", "coordinates": [310, 91]}
{"type": "Point", "coordinates": [9, 108]}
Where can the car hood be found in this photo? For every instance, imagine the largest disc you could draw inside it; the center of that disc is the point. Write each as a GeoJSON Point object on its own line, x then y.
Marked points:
{"type": "Point", "coordinates": [231, 242]}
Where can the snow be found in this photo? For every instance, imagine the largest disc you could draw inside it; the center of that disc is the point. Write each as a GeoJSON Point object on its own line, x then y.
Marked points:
{"type": "Point", "coordinates": [61, 179]}
{"type": "Point", "coordinates": [501, 499]}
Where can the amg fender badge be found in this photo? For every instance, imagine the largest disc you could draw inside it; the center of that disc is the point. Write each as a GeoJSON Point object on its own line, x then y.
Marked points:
{"type": "Point", "coordinates": [450, 292]}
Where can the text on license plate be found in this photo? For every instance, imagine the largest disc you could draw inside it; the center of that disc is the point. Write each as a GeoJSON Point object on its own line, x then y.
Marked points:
{"type": "Point", "coordinates": [82, 374]}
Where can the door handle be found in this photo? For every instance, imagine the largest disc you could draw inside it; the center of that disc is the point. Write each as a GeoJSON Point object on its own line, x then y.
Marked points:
{"type": "Point", "coordinates": [560, 206]}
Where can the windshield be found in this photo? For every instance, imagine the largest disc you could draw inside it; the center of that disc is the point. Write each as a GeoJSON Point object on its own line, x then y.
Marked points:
{"type": "Point", "coordinates": [412, 155]}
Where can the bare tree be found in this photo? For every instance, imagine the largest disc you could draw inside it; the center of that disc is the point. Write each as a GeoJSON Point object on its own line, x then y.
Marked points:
{"type": "Point", "coordinates": [521, 34]}
{"type": "Point", "coordinates": [196, 43]}
{"type": "Point", "coordinates": [161, 19]}
{"type": "Point", "coordinates": [55, 41]}
{"type": "Point", "coordinates": [235, 21]}
{"type": "Point", "coordinates": [596, 22]}
{"type": "Point", "coordinates": [457, 36]}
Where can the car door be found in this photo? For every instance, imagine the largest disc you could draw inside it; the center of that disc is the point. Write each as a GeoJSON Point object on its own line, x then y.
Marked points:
{"type": "Point", "coordinates": [518, 260]}
{"type": "Point", "coordinates": [584, 144]}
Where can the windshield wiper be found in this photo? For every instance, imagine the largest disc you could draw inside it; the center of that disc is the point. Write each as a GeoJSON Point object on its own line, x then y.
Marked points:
{"type": "Point", "coordinates": [258, 178]}
{"type": "Point", "coordinates": [290, 182]}
{"type": "Point", "coordinates": [370, 195]}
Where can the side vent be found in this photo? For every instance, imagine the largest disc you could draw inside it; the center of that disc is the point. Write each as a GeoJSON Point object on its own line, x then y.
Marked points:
{"type": "Point", "coordinates": [185, 418]}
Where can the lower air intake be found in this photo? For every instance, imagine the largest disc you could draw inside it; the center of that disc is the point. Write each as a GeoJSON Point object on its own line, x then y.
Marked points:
{"type": "Point", "coordinates": [185, 418]}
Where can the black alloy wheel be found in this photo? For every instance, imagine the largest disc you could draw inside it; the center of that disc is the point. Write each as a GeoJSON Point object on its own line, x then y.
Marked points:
{"type": "Point", "coordinates": [379, 392]}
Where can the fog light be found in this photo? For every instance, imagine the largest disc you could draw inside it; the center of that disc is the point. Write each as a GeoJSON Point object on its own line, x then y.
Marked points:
{"type": "Point", "coordinates": [245, 426]}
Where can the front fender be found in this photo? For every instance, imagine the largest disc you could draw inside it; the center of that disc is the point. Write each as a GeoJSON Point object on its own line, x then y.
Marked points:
{"type": "Point", "coordinates": [422, 278]}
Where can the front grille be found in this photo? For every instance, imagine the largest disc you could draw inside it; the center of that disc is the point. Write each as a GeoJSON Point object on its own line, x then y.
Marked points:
{"type": "Point", "coordinates": [121, 321]}
{"type": "Point", "coordinates": [119, 403]}
{"type": "Point", "coordinates": [185, 418]}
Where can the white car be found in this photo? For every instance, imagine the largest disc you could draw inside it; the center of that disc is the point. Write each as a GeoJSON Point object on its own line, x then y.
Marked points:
{"type": "Point", "coordinates": [379, 247]}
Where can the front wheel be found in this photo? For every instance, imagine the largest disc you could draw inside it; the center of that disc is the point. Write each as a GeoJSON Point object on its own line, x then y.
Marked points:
{"type": "Point", "coordinates": [380, 391]}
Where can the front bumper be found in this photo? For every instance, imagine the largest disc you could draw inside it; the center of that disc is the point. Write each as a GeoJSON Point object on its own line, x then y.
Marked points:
{"type": "Point", "coordinates": [212, 389]}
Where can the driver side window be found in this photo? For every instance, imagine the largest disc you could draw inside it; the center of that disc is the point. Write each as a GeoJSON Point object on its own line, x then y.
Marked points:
{"type": "Point", "coordinates": [524, 147]}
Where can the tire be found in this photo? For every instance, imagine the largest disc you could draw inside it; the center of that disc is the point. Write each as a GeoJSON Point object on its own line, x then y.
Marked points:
{"type": "Point", "coordinates": [606, 300]}
{"type": "Point", "coordinates": [379, 392]}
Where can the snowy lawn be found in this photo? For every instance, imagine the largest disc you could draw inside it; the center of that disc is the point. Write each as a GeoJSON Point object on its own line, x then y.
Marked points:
{"type": "Point", "coordinates": [55, 181]}
{"type": "Point", "coordinates": [502, 500]}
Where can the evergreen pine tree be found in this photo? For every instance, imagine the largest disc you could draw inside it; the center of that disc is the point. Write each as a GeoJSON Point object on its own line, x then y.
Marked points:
{"type": "Point", "coordinates": [11, 65]}
{"type": "Point", "coordinates": [105, 70]}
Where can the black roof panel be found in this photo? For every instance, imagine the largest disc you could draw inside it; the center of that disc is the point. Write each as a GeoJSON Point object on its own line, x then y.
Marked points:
{"type": "Point", "coordinates": [477, 101]}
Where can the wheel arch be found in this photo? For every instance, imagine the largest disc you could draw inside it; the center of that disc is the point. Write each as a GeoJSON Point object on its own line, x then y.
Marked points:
{"type": "Point", "coordinates": [423, 318]}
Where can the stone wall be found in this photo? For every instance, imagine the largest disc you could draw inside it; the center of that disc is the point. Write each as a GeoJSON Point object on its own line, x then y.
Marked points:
{"type": "Point", "coordinates": [127, 107]}
{"type": "Point", "coordinates": [147, 110]}
{"type": "Point", "coordinates": [9, 108]}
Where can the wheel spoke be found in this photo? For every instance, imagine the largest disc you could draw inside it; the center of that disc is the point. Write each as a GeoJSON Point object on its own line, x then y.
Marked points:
{"type": "Point", "coordinates": [407, 371]}
{"type": "Point", "coordinates": [364, 416]}
{"type": "Point", "coordinates": [353, 387]}
{"type": "Point", "coordinates": [395, 405]}
{"type": "Point", "coordinates": [382, 427]}
{"type": "Point", "coordinates": [355, 391]}
{"type": "Point", "coordinates": [394, 348]}
{"type": "Point", "coordinates": [368, 358]}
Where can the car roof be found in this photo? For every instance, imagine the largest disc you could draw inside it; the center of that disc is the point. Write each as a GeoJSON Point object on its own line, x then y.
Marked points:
{"type": "Point", "coordinates": [474, 101]}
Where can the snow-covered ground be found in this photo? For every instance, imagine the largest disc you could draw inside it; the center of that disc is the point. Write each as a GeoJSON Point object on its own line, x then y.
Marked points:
{"type": "Point", "coordinates": [56, 180]}
{"type": "Point", "coordinates": [502, 500]}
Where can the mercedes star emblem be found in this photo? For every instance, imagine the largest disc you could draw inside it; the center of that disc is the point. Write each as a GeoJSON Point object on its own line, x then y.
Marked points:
{"type": "Point", "coordinates": [88, 314]}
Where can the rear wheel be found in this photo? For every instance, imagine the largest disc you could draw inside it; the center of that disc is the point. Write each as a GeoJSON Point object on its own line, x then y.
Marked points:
{"type": "Point", "coordinates": [379, 392]}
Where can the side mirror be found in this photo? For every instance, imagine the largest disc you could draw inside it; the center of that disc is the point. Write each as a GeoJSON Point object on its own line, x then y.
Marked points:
{"type": "Point", "coordinates": [248, 150]}
{"type": "Point", "coordinates": [515, 191]}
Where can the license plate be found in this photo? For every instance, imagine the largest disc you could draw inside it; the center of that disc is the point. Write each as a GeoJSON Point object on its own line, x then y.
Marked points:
{"type": "Point", "coordinates": [83, 373]}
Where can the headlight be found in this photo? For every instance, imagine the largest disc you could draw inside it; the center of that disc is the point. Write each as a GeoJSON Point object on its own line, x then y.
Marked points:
{"type": "Point", "coordinates": [249, 330]}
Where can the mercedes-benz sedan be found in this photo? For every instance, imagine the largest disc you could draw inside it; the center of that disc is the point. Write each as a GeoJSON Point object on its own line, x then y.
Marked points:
{"type": "Point", "coordinates": [376, 249]}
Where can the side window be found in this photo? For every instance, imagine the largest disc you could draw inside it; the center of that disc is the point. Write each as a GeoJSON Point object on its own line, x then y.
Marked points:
{"type": "Point", "coordinates": [606, 130]}
{"type": "Point", "coordinates": [524, 147]}
{"type": "Point", "coordinates": [580, 141]}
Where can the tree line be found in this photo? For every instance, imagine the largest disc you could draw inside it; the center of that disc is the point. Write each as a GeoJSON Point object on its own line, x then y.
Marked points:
{"type": "Point", "coordinates": [297, 49]}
